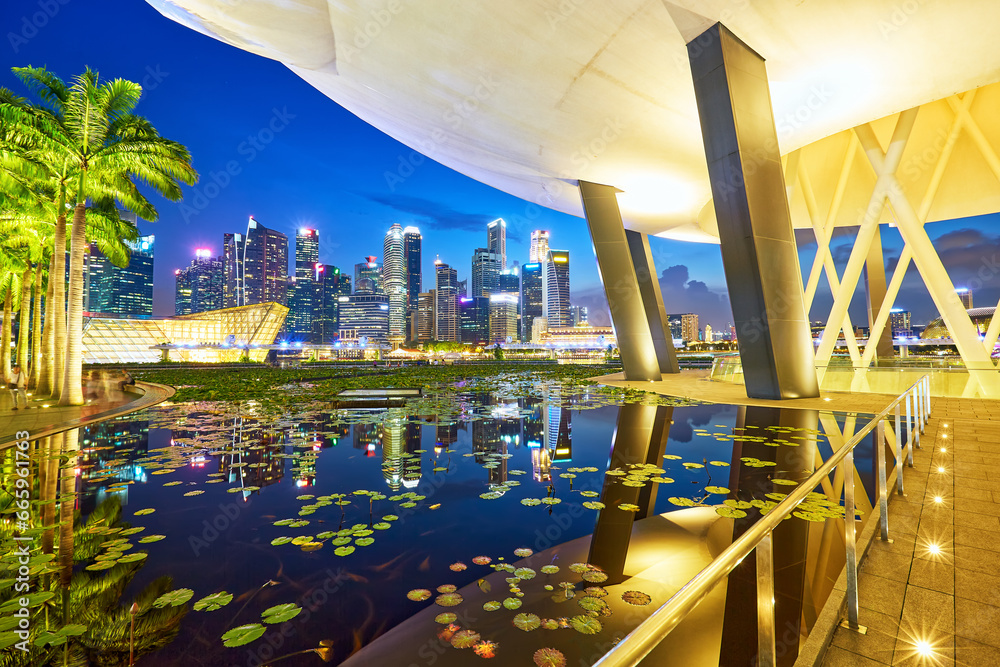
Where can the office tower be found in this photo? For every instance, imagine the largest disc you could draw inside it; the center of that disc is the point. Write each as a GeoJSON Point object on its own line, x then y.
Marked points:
{"type": "Point", "coordinates": [683, 326]}
{"type": "Point", "coordinates": [531, 297]}
{"type": "Point", "coordinates": [394, 282]}
{"type": "Point", "coordinates": [463, 288]}
{"type": "Point", "coordinates": [510, 283]}
{"type": "Point", "coordinates": [486, 267]}
{"type": "Point", "coordinates": [496, 242]}
{"type": "Point", "coordinates": [120, 291]}
{"type": "Point", "coordinates": [256, 266]}
{"type": "Point", "coordinates": [474, 312]}
{"type": "Point", "coordinates": [555, 289]}
{"type": "Point", "coordinates": [965, 296]}
{"type": "Point", "coordinates": [899, 322]}
{"type": "Point", "coordinates": [579, 315]}
{"type": "Point", "coordinates": [708, 333]}
{"type": "Point", "coordinates": [539, 250]}
{"type": "Point", "coordinates": [199, 286]}
{"type": "Point", "coordinates": [331, 285]}
{"type": "Point", "coordinates": [368, 277]}
{"type": "Point", "coordinates": [306, 253]}
{"type": "Point", "coordinates": [412, 241]}
{"type": "Point", "coordinates": [426, 316]}
{"type": "Point", "coordinates": [503, 318]}
{"type": "Point", "coordinates": [446, 307]}
{"type": "Point", "coordinates": [364, 317]}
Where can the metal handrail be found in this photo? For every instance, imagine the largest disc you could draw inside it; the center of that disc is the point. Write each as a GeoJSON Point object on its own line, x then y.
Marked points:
{"type": "Point", "coordinates": [638, 643]}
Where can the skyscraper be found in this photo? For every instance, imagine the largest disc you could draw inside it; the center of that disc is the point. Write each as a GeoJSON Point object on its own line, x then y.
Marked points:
{"type": "Point", "coordinates": [306, 253]}
{"type": "Point", "coordinates": [579, 315]}
{"type": "Point", "coordinates": [531, 297]}
{"type": "Point", "coordinates": [368, 277]}
{"type": "Point", "coordinates": [555, 289]}
{"type": "Point", "coordinates": [474, 312]}
{"type": "Point", "coordinates": [899, 322]}
{"type": "Point", "coordinates": [539, 250]}
{"type": "Point", "coordinates": [486, 267]}
{"type": "Point", "coordinates": [426, 318]}
{"type": "Point", "coordinates": [256, 266]}
{"type": "Point", "coordinates": [302, 297]}
{"type": "Point", "coordinates": [496, 241]}
{"type": "Point", "coordinates": [510, 284]}
{"type": "Point", "coordinates": [965, 296]}
{"type": "Point", "coordinates": [446, 306]}
{"type": "Point", "coordinates": [120, 291]}
{"type": "Point", "coordinates": [199, 287]}
{"type": "Point", "coordinates": [503, 318]}
{"type": "Point", "coordinates": [331, 285]}
{"type": "Point", "coordinates": [364, 316]}
{"type": "Point", "coordinates": [412, 241]}
{"type": "Point", "coordinates": [394, 282]}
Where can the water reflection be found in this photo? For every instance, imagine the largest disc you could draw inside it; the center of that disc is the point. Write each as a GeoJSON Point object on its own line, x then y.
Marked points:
{"type": "Point", "coordinates": [520, 449]}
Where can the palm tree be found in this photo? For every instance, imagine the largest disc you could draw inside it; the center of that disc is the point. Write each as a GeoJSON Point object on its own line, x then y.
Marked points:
{"type": "Point", "coordinates": [89, 128]}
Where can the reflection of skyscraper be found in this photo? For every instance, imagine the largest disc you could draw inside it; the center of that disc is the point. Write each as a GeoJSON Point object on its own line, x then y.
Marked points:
{"type": "Point", "coordinates": [446, 434]}
{"type": "Point", "coordinates": [393, 447]}
{"type": "Point", "coordinates": [541, 462]}
{"type": "Point", "coordinates": [366, 437]}
{"type": "Point", "coordinates": [411, 465]}
{"type": "Point", "coordinates": [122, 441]}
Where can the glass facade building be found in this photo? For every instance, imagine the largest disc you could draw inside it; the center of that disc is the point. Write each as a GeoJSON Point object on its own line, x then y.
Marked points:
{"type": "Point", "coordinates": [120, 291]}
{"type": "Point", "coordinates": [446, 306]}
{"type": "Point", "coordinates": [496, 242]}
{"type": "Point", "coordinates": [555, 289]}
{"type": "Point", "coordinates": [364, 316]}
{"type": "Point", "coordinates": [394, 281]}
{"type": "Point", "coordinates": [199, 287]}
{"type": "Point", "coordinates": [486, 267]}
{"type": "Point", "coordinates": [531, 297]}
{"type": "Point", "coordinates": [256, 266]}
{"type": "Point", "coordinates": [475, 314]}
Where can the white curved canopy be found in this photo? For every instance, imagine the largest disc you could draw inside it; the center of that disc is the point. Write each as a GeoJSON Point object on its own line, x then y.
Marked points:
{"type": "Point", "coordinates": [529, 96]}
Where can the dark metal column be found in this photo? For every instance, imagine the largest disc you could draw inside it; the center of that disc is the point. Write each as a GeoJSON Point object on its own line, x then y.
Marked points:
{"type": "Point", "coordinates": [652, 301]}
{"type": "Point", "coordinates": [758, 247]}
{"type": "Point", "coordinates": [875, 293]}
{"type": "Point", "coordinates": [621, 285]}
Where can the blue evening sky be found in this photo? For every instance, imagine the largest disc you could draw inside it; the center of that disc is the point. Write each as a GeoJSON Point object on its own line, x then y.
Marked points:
{"type": "Point", "coordinates": [325, 168]}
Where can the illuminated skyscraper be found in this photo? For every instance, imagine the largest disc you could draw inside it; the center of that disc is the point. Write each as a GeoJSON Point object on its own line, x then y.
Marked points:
{"type": "Point", "coordinates": [302, 297]}
{"type": "Point", "coordinates": [539, 250]}
{"type": "Point", "coordinates": [446, 306]}
{"type": "Point", "coordinates": [579, 315]}
{"type": "Point", "coordinates": [486, 267]}
{"type": "Point", "coordinates": [364, 317]}
{"type": "Point", "coordinates": [474, 312]}
{"type": "Point", "coordinates": [368, 277]}
{"type": "Point", "coordinates": [531, 297]}
{"type": "Point", "coordinates": [331, 285]}
{"type": "Point", "coordinates": [394, 282]}
{"type": "Point", "coordinates": [256, 266]}
{"type": "Point", "coordinates": [426, 318]}
{"type": "Point", "coordinates": [199, 287]}
{"type": "Point", "coordinates": [965, 296]}
{"type": "Point", "coordinates": [120, 291]}
{"type": "Point", "coordinates": [899, 322]}
{"type": "Point", "coordinates": [555, 289]}
{"type": "Point", "coordinates": [412, 242]}
{"type": "Point", "coordinates": [503, 318]}
{"type": "Point", "coordinates": [306, 253]}
{"type": "Point", "coordinates": [496, 242]}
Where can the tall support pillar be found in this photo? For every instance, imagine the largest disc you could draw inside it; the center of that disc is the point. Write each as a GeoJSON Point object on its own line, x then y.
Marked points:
{"type": "Point", "coordinates": [629, 296]}
{"type": "Point", "coordinates": [652, 301]}
{"type": "Point", "coordinates": [875, 290]}
{"type": "Point", "coordinates": [758, 247]}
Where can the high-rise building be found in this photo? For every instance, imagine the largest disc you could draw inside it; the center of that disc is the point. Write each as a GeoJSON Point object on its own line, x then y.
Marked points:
{"type": "Point", "coordinates": [256, 266]}
{"type": "Point", "coordinates": [463, 288]}
{"type": "Point", "coordinates": [120, 291]}
{"type": "Point", "coordinates": [412, 241]}
{"type": "Point", "coordinates": [503, 318]}
{"type": "Point", "coordinates": [531, 297]}
{"type": "Point", "coordinates": [965, 296]}
{"type": "Point", "coordinates": [331, 285]}
{"type": "Point", "coordinates": [199, 287]}
{"type": "Point", "coordinates": [683, 326]}
{"type": "Point", "coordinates": [446, 306]}
{"type": "Point", "coordinates": [539, 250]}
{"type": "Point", "coordinates": [708, 333]}
{"type": "Point", "coordinates": [510, 283]}
{"type": "Point", "coordinates": [364, 317]}
{"type": "Point", "coordinates": [555, 289]}
{"type": "Point", "coordinates": [306, 253]}
{"type": "Point", "coordinates": [474, 312]}
{"type": "Point", "coordinates": [496, 242]}
{"type": "Point", "coordinates": [394, 282]}
{"type": "Point", "coordinates": [426, 319]}
{"type": "Point", "coordinates": [579, 315]}
{"type": "Point", "coordinates": [899, 322]}
{"type": "Point", "coordinates": [486, 267]}
{"type": "Point", "coordinates": [368, 277]}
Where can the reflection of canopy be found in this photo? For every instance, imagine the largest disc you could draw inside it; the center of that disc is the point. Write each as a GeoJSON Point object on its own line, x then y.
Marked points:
{"type": "Point", "coordinates": [400, 353]}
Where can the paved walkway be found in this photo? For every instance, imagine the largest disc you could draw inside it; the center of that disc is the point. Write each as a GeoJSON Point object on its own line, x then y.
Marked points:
{"type": "Point", "coordinates": [932, 596]}
{"type": "Point", "coordinates": [103, 401]}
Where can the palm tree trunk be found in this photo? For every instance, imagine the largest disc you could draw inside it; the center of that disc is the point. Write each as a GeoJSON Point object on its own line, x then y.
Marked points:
{"type": "Point", "coordinates": [36, 329]}
{"type": "Point", "coordinates": [72, 389]}
{"type": "Point", "coordinates": [67, 507]}
{"type": "Point", "coordinates": [24, 328]}
{"type": "Point", "coordinates": [48, 482]}
{"type": "Point", "coordinates": [47, 372]}
{"type": "Point", "coordinates": [7, 324]}
{"type": "Point", "coordinates": [59, 305]}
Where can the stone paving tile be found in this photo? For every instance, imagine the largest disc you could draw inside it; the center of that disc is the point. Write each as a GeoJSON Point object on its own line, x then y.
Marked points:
{"type": "Point", "coordinates": [838, 657]}
{"type": "Point", "coordinates": [973, 654]}
{"type": "Point", "coordinates": [977, 621]}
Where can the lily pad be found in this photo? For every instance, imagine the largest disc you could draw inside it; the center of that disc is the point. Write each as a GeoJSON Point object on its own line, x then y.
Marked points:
{"type": "Point", "coordinates": [512, 603]}
{"type": "Point", "coordinates": [527, 622]}
{"type": "Point", "coordinates": [280, 613]}
{"type": "Point", "coordinates": [586, 624]}
{"type": "Point", "coordinates": [213, 602]}
{"type": "Point", "coordinates": [593, 505]}
{"type": "Point", "coordinates": [448, 600]}
{"type": "Point", "coordinates": [344, 551]}
{"type": "Point", "coordinates": [243, 634]}
{"type": "Point", "coordinates": [717, 490]}
{"type": "Point", "coordinates": [445, 618]}
{"type": "Point", "coordinates": [418, 594]}
{"type": "Point", "coordinates": [465, 638]}
{"type": "Point", "coordinates": [492, 605]}
{"type": "Point", "coordinates": [173, 598]}
{"type": "Point", "coordinates": [549, 569]}
{"type": "Point", "coordinates": [636, 598]}
{"type": "Point", "coordinates": [730, 512]}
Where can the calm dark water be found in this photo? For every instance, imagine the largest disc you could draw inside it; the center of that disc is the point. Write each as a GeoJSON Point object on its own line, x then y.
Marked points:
{"type": "Point", "coordinates": [221, 539]}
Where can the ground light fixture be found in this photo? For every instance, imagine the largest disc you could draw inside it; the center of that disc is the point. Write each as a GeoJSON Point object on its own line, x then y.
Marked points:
{"type": "Point", "coordinates": [924, 649]}
{"type": "Point", "coordinates": [938, 499]}
{"type": "Point", "coordinates": [940, 468]}
{"type": "Point", "coordinates": [934, 549]}
{"type": "Point", "coordinates": [944, 449]}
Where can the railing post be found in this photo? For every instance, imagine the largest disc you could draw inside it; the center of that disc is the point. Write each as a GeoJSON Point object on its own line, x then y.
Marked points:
{"type": "Point", "coordinates": [920, 404]}
{"type": "Point", "coordinates": [909, 433]}
{"type": "Point", "coordinates": [927, 379]}
{"type": "Point", "coordinates": [850, 526]}
{"type": "Point", "coordinates": [916, 417]}
{"type": "Point", "coordinates": [883, 492]}
{"type": "Point", "coordinates": [899, 453]}
{"type": "Point", "coordinates": [765, 603]}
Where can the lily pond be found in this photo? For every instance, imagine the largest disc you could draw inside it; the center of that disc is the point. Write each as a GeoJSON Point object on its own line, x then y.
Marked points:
{"type": "Point", "coordinates": [519, 519]}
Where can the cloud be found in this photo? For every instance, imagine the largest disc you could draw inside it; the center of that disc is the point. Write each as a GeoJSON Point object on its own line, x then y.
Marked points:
{"type": "Point", "coordinates": [435, 215]}
{"type": "Point", "coordinates": [680, 295]}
